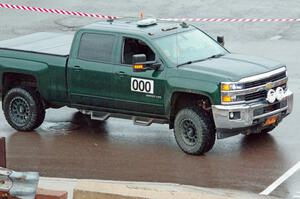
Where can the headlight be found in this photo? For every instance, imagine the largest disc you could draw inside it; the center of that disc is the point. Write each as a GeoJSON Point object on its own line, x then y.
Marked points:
{"type": "Point", "coordinates": [231, 86]}
{"type": "Point", "coordinates": [227, 96]}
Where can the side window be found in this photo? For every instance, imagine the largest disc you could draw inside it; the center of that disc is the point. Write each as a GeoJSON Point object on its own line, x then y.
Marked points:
{"type": "Point", "coordinates": [135, 46]}
{"type": "Point", "coordinates": [96, 47]}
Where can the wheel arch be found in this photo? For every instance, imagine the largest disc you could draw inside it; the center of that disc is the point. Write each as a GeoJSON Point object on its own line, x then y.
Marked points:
{"type": "Point", "coordinates": [181, 99]}
{"type": "Point", "coordinates": [14, 79]}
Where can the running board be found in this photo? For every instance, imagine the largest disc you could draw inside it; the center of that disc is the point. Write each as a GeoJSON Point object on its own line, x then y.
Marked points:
{"type": "Point", "coordinates": [102, 116]}
{"type": "Point", "coordinates": [137, 120]}
{"type": "Point", "coordinates": [142, 121]}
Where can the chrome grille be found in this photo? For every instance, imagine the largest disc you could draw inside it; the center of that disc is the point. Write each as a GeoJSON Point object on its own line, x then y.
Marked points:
{"type": "Point", "coordinates": [256, 95]}
{"type": "Point", "coordinates": [260, 94]}
{"type": "Point", "coordinates": [256, 87]}
{"type": "Point", "coordinates": [266, 80]}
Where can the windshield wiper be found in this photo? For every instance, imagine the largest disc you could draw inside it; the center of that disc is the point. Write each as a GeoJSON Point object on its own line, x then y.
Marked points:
{"type": "Point", "coordinates": [200, 60]}
{"type": "Point", "coordinates": [185, 63]}
{"type": "Point", "coordinates": [216, 56]}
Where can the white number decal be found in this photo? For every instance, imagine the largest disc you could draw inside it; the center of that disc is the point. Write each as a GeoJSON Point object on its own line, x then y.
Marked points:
{"type": "Point", "coordinates": [142, 85]}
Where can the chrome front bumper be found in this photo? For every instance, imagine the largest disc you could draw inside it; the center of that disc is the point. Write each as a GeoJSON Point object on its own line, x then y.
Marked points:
{"type": "Point", "coordinates": [247, 116]}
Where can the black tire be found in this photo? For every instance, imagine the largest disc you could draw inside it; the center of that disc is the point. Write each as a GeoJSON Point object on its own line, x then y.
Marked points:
{"type": "Point", "coordinates": [23, 109]}
{"type": "Point", "coordinates": [194, 132]}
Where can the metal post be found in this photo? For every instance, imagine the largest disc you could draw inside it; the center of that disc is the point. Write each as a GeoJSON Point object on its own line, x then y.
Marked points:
{"type": "Point", "coordinates": [2, 153]}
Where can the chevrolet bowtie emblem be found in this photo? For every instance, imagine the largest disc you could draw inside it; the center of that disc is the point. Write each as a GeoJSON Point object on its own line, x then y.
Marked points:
{"type": "Point", "coordinates": [269, 85]}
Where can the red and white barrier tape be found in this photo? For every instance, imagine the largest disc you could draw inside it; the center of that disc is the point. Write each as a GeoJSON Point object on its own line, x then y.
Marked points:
{"type": "Point", "coordinates": [55, 11]}
{"type": "Point", "coordinates": [82, 14]}
{"type": "Point", "coordinates": [230, 20]}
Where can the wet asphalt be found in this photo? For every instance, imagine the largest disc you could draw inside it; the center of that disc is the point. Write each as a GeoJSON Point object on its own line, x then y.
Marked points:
{"type": "Point", "coordinates": [69, 144]}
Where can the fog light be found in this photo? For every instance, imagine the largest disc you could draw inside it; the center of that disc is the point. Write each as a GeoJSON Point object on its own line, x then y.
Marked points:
{"type": "Point", "coordinates": [235, 115]}
{"type": "Point", "coordinates": [279, 93]}
{"type": "Point", "coordinates": [271, 96]}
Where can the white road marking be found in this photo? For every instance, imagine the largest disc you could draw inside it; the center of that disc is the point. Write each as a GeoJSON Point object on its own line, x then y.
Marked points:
{"type": "Point", "coordinates": [297, 195]}
{"type": "Point", "coordinates": [280, 180]}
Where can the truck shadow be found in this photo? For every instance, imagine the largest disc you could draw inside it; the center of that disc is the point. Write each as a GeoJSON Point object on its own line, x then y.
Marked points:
{"type": "Point", "coordinates": [258, 140]}
{"type": "Point", "coordinates": [259, 144]}
{"type": "Point", "coordinates": [84, 121]}
{"type": "Point", "coordinates": [78, 123]}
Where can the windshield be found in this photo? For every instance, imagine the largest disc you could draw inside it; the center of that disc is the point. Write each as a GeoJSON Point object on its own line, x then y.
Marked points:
{"type": "Point", "coordinates": [188, 46]}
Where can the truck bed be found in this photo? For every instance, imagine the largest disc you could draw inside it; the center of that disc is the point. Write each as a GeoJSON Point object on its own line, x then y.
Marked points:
{"type": "Point", "coordinates": [43, 42]}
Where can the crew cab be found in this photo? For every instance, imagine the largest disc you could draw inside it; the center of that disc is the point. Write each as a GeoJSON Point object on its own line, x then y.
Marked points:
{"type": "Point", "coordinates": [148, 71]}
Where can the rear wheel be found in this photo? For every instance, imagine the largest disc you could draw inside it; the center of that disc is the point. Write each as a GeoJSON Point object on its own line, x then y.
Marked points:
{"type": "Point", "coordinates": [23, 109]}
{"type": "Point", "coordinates": [194, 133]}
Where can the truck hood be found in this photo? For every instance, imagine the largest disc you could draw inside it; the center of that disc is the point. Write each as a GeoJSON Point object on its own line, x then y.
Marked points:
{"type": "Point", "coordinates": [233, 66]}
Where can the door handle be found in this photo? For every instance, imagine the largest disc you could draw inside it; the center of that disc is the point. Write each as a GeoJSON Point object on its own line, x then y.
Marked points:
{"type": "Point", "coordinates": [121, 73]}
{"type": "Point", "coordinates": [77, 68]}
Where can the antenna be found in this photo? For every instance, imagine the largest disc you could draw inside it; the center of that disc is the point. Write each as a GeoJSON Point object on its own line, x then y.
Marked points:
{"type": "Point", "coordinates": [184, 25]}
{"type": "Point", "coordinates": [142, 15]}
{"type": "Point", "coordinates": [110, 20]}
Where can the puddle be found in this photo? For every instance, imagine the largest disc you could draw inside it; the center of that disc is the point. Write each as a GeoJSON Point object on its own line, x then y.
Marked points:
{"type": "Point", "coordinates": [59, 127]}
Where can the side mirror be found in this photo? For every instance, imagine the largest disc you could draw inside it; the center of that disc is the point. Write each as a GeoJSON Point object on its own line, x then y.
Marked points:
{"type": "Point", "coordinates": [220, 40]}
{"type": "Point", "coordinates": [140, 63]}
{"type": "Point", "coordinates": [139, 58]}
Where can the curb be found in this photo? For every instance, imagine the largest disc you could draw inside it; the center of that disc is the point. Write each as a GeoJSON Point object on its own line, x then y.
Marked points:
{"type": "Point", "coordinates": [127, 190]}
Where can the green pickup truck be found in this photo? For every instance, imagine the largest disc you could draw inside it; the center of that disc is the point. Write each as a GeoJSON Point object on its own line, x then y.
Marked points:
{"type": "Point", "coordinates": [148, 71]}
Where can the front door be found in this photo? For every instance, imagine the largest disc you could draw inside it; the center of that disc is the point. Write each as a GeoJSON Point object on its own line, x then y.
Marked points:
{"type": "Point", "coordinates": [138, 92]}
{"type": "Point", "coordinates": [90, 71]}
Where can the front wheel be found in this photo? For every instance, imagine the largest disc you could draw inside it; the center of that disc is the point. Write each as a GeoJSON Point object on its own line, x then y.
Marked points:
{"type": "Point", "coordinates": [23, 109]}
{"type": "Point", "coordinates": [194, 133]}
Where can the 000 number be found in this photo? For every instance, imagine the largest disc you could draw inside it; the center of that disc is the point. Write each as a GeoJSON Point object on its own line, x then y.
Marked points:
{"type": "Point", "coordinates": [142, 85]}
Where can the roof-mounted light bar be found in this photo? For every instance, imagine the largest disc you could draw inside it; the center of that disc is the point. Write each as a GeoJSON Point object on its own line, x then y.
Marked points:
{"type": "Point", "coordinates": [146, 22]}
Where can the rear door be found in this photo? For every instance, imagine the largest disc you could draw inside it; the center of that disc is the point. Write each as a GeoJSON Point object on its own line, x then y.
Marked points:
{"type": "Point", "coordinates": [138, 92]}
{"type": "Point", "coordinates": [90, 69]}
